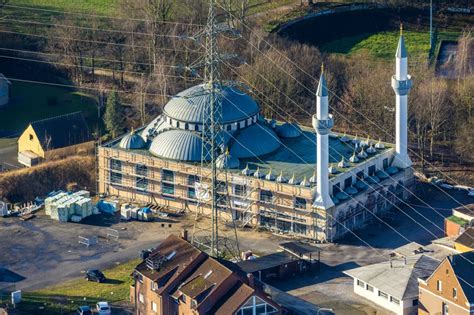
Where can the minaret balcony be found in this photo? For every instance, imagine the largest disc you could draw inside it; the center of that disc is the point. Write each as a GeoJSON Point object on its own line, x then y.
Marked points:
{"type": "Point", "coordinates": [402, 87]}
{"type": "Point", "coordinates": [323, 126]}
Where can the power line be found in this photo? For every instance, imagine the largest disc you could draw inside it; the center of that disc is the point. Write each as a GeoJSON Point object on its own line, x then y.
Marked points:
{"type": "Point", "coordinates": [96, 15]}
{"type": "Point", "coordinates": [332, 92]}
{"type": "Point", "coordinates": [95, 41]}
{"type": "Point", "coordinates": [92, 28]}
{"type": "Point", "coordinates": [87, 57]}
{"type": "Point", "coordinates": [89, 67]}
{"type": "Point", "coordinates": [304, 162]}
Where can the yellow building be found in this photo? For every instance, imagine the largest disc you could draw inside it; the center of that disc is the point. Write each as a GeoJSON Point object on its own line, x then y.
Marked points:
{"type": "Point", "coordinates": [53, 138]}
{"type": "Point", "coordinates": [465, 242]}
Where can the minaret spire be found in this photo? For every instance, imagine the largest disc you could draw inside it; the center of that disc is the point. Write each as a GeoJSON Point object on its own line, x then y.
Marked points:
{"type": "Point", "coordinates": [322, 123]}
{"type": "Point", "coordinates": [401, 84]}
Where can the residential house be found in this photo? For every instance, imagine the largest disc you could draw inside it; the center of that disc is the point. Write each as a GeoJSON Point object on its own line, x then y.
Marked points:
{"type": "Point", "coordinates": [450, 288]}
{"type": "Point", "coordinates": [461, 218]}
{"type": "Point", "coordinates": [54, 137]}
{"type": "Point", "coordinates": [178, 278]}
{"type": "Point", "coordinates": [465, 242]}
{"type": "Point", "coordinates": [393, 284]}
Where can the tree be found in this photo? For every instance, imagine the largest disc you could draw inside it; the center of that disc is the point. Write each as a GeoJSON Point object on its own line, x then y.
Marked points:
{"type": "Point", "coordinates": [113, 114]}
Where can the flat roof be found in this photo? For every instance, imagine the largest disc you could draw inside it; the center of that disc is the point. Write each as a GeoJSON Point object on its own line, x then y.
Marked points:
{"type": "Point", "coordinates": [299, 248]}
{"type": "Point", "coordinates": [266, 262]}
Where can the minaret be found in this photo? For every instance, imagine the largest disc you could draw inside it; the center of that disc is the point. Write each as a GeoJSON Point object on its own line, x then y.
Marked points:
{"type": "Point", "coordinates": [401, 84]}
{"type": "Point", "coordinates": [322, 123]}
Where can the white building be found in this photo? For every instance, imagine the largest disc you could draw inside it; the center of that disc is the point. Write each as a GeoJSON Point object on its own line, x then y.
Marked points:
{"type": "Point", "coordinates": [4, 90]}
{"type": "Point", "coordinates": [393, 284]}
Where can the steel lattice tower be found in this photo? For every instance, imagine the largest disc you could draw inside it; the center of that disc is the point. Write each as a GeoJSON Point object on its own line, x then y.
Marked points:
{"type": "Point", "coordinates": [213, 144]}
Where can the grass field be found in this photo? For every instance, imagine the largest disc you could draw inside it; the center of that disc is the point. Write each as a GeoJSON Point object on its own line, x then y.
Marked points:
{"type": "Point", "coordinates": [106, 7]}
{"type": "Point", "coordinates": [30, 102]}
{"type": "Point", "coordinates": [383, 45]}
{"type": "Point", "coordinates": [68, 296]}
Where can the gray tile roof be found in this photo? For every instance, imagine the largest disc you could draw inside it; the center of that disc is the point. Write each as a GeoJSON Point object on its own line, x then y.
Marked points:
{"type": "Point", "coordinates": [400, 280]}
{"type": "Point", "coordinates": [462, 265]}
{"type": "Point", "coordinates": [62, 131]}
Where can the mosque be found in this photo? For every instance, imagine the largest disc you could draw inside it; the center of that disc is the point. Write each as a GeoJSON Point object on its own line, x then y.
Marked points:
{"type": "Point", "coordinates": [292, 179]}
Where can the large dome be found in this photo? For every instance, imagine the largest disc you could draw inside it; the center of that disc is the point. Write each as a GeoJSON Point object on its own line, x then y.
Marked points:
{"type": "Point", "coordinates": [177, 145]}
{"type": "Point", "coordinates": [188, 106]}
{"type": "Point", "coordinates": [253, 141]}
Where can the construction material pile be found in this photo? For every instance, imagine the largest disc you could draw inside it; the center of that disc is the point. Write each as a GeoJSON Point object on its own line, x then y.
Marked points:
{"type": "Point", "coordinates": [65, 207]}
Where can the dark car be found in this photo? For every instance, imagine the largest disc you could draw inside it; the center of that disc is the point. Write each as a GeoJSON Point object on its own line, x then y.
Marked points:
{"type": "Point", "coordinates": [95, 275]}
{"type": "Point", "coordinates": [84, 310]}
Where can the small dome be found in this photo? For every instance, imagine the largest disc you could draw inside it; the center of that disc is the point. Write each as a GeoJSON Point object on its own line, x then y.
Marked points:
{"type": "Point", "coordinates": [304, 182]}
{"type": "Point", "coordinates": [354, 158]}
{"type": "Point", "coordinates": [253, 141]}
{"type": "Point", "coordinates": [293, 180]}
{"type": "Point", "coordinates": [332, 170]}
{"type": "Point", "coordinates": [371, 149]}
{"type": "Point", "coordinates": [313, 179]}
{"type": "Point", "coordinates": [246, 171]}
{"type": "Point", "coordinates": [355, 140]}
{"type": "Point", "coordinates": [362, 154]}
{"type": "Point", "coordinates": [365, 143]}
{"type": "Point", "coordinates": [382, 175]}
{"type": "Point", "coordinates": [342, 196]}
{"type": "Point", "coordinates": [343, 163]}
{"type": "Point", "coordinates": [179, 145]}
{"type": "Point", "coordinates": [345, 138]}
{"type": "Point", "coordinates": [189, 105]}
{"type": "Point", "coordinates": [270, 175]}
{"type": "Point", "coordinates": [226, 161]}
{"type": "Point", "coordinates": [281, 178]}
{"type": "Point", "coordinates": [273, 123]}
{"type": "Point", "coordinates": [132, 141]}
{"type": "Point", "coordinates": [392, 170]}
{"type": "Point", "coordinates": [258, 173]}
{"type": "Point", "coordinates": [288, 130]}
{"type": "Point", "coordinates": [380, 145]}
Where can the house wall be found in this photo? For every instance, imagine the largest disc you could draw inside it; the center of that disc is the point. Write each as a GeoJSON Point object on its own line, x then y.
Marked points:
{"type": "Point", "coordinates": [27, 144]}
{"type": "Point", "coordinates": [404, 308]}
{"type": "Point", "coordinates": [462, 248]}
{"type": "Point", "coordinates": [451, 228]}
{"type": "Point", "coordinates": [144, 308]}
{"type": "Point", "coordinates": [431, 300]}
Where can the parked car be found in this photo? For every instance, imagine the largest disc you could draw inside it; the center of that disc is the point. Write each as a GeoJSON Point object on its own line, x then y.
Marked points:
{"type": "Point", "coordinates": [84, 310]}
{"type": "Point", "coordinates": [103, 308]}
{"type": "Point", "coordinates": [95, 275]}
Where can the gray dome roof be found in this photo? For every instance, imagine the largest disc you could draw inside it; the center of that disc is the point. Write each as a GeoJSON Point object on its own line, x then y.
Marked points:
{"type": "Point", "coordinates": [226, 161]}
{"type": "Point", "coordinates": [132, 141]}
{"type": "Point", "coordinates": [180, 145]}
{"type": "Point", "coordinates": [288, 130]}
{"type": "Point", "coordinates": [255, 140]}
{"type": "Point", "coordinates": [154, 127]}
{"type": "Point", "coordinates": [189, 104]}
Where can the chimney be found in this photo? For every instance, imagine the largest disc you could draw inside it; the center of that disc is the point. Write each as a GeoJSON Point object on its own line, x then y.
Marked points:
{"type": "Point", "coordinates": [184, 235]}
{"type": "Point", "coordinates": [251, 279]}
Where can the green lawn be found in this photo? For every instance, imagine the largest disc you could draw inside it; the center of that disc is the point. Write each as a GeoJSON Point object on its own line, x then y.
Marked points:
{"type": "Point", "coordinates": [69, 295]}
{"type": "Point", "coordinates": [31, 101]}
{"type": "Point", "coordinates": [89, 6]}
{"type": "Point", "coordinates": [384, 44]}
{"type": "Point", "coordinates": [457, 220]}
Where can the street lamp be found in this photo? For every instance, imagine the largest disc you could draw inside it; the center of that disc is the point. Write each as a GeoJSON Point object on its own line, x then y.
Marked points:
{"type": "Point", "coordinates": [325, 309]}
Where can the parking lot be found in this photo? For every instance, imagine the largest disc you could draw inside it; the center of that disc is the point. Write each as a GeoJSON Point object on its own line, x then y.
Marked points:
{"type": "Point", "coordinates": [42, 252]}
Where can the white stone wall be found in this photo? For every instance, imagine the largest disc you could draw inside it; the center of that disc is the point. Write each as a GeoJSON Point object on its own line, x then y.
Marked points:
{"type": "Point", "coordinates": [404, 308]}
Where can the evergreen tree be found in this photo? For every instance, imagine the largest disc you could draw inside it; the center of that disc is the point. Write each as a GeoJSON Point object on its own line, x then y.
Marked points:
{"type": "Point", "coordinates": [112, 117]}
